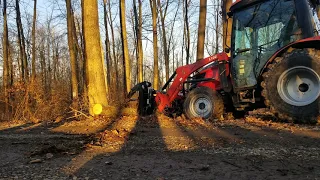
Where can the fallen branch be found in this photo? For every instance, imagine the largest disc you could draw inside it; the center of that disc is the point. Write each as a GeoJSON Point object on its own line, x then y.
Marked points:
{"type": "Point", "coordinates": [77, 111]}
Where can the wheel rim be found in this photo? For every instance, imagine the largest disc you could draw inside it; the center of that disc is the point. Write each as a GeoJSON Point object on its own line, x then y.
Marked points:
{"type": "Point", "coordinates": [299, 86]}
{"type": "Point", "coordinates": [201, 107]}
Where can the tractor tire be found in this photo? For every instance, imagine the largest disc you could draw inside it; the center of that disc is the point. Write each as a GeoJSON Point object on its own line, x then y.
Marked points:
{"type": "Point", "coordinates": [205, 103]}
{"type": "Point", "coordinates": [291, 86]}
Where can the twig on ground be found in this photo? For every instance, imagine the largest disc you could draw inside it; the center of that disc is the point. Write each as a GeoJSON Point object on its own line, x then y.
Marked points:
{"type": "Point", "coordinates": [79, 113]}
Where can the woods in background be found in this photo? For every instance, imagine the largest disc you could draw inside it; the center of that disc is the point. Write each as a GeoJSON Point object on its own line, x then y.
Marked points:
{"type": "Point", "coordinates": [61, 56]}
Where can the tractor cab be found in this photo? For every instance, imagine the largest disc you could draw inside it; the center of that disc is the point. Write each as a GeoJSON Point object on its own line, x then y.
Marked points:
{"type": "Point", "coordinates": [260, 29]}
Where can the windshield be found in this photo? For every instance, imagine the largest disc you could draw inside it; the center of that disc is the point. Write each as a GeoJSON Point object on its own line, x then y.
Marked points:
{"type": "Point", "coordinates": [258, 32]}
{"type": "Point", "coordinates": [271, 24]}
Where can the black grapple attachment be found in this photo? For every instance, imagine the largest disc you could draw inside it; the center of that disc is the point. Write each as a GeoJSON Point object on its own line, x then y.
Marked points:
{"type": "Point", "coordinates": [146, 101]}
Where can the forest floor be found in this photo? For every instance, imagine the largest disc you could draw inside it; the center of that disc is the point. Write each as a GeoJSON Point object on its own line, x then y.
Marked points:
{"type": "Point", "coordinates": [158, 147]}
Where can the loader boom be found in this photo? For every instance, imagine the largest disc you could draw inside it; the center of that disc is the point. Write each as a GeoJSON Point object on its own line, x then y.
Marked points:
{"type": "Point", "coordinates": [164, 100]}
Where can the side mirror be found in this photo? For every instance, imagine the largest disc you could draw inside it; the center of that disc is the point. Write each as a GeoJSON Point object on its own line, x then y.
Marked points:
{"type": "Point", "coordinates": [227, 50]}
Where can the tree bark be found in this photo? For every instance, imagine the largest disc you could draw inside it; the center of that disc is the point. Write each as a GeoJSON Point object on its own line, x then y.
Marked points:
{"type": "Point", "coordinates": [125, 51]}
{"type": "Point", "coordinates": [164, 37]}
{"type": "Point", "coordinates": [97, 93]}
{"type": "Point", "coordinates": [115, 61]}
{"type": "Point", "coordinates": [217, 29]}
{"type": "Point", "coordinates": [227, 23]}
{"type": "Point", "coordinates": [84, 63]}
{"type": "Point", "coordinates": [33, 62]}
{"type": "Point", "coordinates": [153, 5]}
{"type": "Point", "coordinates": [5, 56]}
{"type": "Point", "coordinates": [72, 51]}
{"type": "Point", "coordinates": [187, 33]}
{"type": "Point", "coordinates": [138, 31]}
{"type": "Point", "coordinates": [107, 43]}
{"type": "Point", "coordinates": [22, 46]}
{"type": "Point", "coordinates": [171, 38]}
{"type": "Point", "coordinates": [202, 29]}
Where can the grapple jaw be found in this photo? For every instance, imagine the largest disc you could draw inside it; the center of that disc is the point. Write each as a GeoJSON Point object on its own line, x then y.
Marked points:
{"type": "Point", "coordinates": [146, 98]}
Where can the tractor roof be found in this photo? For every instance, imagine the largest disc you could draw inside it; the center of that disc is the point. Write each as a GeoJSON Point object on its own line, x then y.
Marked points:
{"type": "Point", "coordinates": [240, 4]}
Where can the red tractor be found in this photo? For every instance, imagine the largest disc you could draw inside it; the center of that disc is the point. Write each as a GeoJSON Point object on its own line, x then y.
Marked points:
{"type": "Point", "coordinates": [274, 62]}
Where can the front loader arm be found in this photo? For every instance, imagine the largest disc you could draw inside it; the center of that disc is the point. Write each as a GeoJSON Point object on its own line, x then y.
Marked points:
{"type": "Point", "coordinates": [182, 73]}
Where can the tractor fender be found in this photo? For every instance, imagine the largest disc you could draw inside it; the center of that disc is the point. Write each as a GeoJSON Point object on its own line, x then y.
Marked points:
{"type": "Point", "coordinates": [313, 42]}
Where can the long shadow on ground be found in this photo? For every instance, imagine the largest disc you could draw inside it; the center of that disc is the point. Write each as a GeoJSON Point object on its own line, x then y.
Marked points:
{"type": "Point", "coordinates": [170, 149]}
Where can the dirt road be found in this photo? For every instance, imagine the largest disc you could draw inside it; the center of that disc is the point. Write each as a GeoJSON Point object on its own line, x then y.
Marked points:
{"type": "Point", "coordinates": [159, 148]}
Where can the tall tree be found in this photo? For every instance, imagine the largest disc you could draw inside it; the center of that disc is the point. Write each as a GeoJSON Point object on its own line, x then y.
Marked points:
{"type": "Point", "coordinates": [171, 43]}
{"type": "Point", "coordinates": [33, 62]}
{"type": "Point", "coordinates": [21, 41]}
{"type": "Point", "coordinates": [153, 5]}
{"type": "Point", "coordinates": [72, 50]}
{"type": "Point", "coordinates": [164, 36]}
{"type": "Point", "coordinates": [125, 51]}
{"type": "Point", "coordinates": [138, 31]}
{"type": "Point", "coordinates": [115, 59]}
{"type": "Point", "coordinates": [217, 23]}
{"type": "Point", "coordinates": [5, 55]}
{"type": "Point", "coordinates": [201, 29]}
{"type": "Point", "coordinates": [227, 23]}
{"type": "Point", "coordinates": [107, 43]}
{"type": "Point", "coordinates": [187, 30]}
{"type": "Point", "coordinates": [97, 93]}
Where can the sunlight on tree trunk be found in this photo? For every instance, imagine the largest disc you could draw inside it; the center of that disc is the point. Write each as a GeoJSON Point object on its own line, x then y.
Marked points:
{"type": "Point", "coordinates": [153, 5]}
{"type": "Point", "coordinates": [201, 29]}
{"type": "Point", "coordinates": [227, 23]}
{"type": "Point", "coordinates": [95, 76]}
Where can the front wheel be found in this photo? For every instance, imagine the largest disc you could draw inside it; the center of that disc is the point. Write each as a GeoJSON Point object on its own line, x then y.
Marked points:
{"type": "Point", "coordinates": [292, 86]}
{"type": "Point", "coordinates": [205, 103]}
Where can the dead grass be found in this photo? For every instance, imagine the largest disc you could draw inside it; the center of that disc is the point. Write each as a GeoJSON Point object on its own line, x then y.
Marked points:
{"type": "Point", "coordinates": [30, 102]}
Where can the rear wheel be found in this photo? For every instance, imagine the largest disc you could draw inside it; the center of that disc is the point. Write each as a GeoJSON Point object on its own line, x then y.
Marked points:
{"type": "Point", "coordinates": [205, 103]}
{"type": "Point", "coordinates": [291, 86]}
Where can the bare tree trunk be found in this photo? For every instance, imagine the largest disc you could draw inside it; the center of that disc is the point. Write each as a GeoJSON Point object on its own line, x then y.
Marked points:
{"type": "Point", "coordinates": [227, 23]}
{"type": "Point", "coordinates": [138, 29]}
{"type": "Point", "coordinates": [85, 62]}
{"type": "Point", "coordinates": [184, 32]}
{"type": "Point", "coordinates": [95, 73]}
{"type": "Point", "coordinates": [217, 29]}
{"type": "Point", "coordinates": [22, 46]}
{"type": "Point", "coordinates": [202, 29]}
{"type": "Point", "coordinates": [43, 63]}
{"type": "Point", "coordinates": [33, 63]}
{"type": "Point", "coordinates": [10, 65]}
{"type": "Point", "coordinates": [171, 37]}
{"type": "Point", "coordinates": [135, 53]}
{"type": "Point", "coordinates": [125, 51]}
{"type": "Point", "coordinates": [72, 51]}
{"type": "Point", "coordinates": [5, 56]}
{"type": "Point", "coordinates": [115, 61]}
{"type": "Point", "coordinates": [153, 5]}
{"type": "Point", "coordinates": [107, 43]}
{"type": "Point", "coordinates": [164, 37]}
{"type": "Point", "coordinates": [79, 52]}
{"type": "Point", "coordinates": [55, 61]}
{"type": "Point", "coordinates": [187, 33]}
